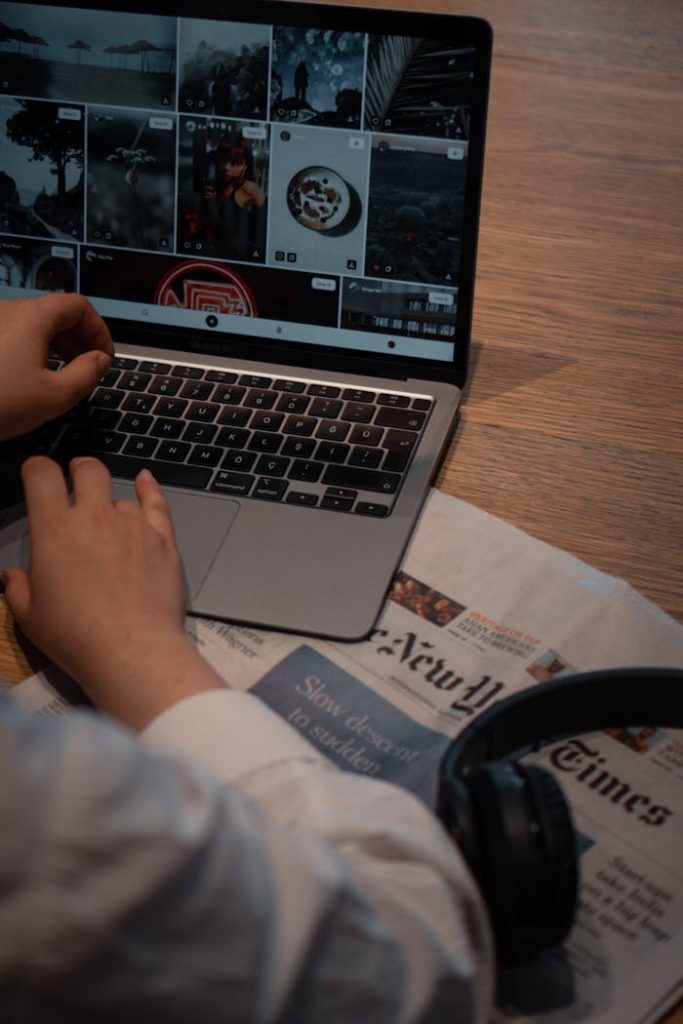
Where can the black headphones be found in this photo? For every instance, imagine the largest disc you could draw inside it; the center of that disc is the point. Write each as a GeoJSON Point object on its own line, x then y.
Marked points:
{"type": "Point", "coordinates": [511, 821]}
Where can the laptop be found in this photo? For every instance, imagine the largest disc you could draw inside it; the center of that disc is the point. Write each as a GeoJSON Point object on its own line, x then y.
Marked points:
{"type": "Point", "coordinates": [275, 207]}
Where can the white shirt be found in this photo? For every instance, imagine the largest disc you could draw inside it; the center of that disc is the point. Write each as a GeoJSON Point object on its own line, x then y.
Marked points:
{"type": "Point", "coordinates": [218, 870]}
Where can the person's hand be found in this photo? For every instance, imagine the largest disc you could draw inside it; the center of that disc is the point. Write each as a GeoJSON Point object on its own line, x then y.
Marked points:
{"type": "Point", "coordinates": [104, 597]}
{"type": "Point", "coordinates": [30, 393]}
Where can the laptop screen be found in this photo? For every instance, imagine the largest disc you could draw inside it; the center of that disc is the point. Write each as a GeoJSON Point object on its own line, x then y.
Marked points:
{"type": "Point", "coordinates": [287, 181]}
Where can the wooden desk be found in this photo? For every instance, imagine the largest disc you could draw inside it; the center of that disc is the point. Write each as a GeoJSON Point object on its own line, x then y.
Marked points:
{"type": "Point", "coordinates": [573, 425]}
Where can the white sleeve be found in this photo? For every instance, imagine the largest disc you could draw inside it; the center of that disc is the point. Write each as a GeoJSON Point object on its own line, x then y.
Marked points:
{"type": "Point", "coordinates": [138, 885]}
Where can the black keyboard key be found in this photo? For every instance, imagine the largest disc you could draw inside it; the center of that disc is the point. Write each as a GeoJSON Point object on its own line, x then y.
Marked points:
{"type": "Point", "coordinates": [74, 441]}
{"type": "Point", "coordinates": [105, 419]}
{"type": "Point", "coordinates": [228, 394]}
{"type": "Point", "coordinates": [358, 412]}
{"type": "Point", "coordinates": [302, 426]}
{"type": "Point", "coordinates": [371, 508]}
{"type": "Point", "coordinates": [298, 447]}
{"type": "Point", "coordinates": [151, 366]}
{"type": "Point", "coordinates": [330, 407]}
{"type": "Point", "coordinates": [305, 469]}
{"type": "Point", "coordinates": [221, 376]}
{"type": "Point", "coordinates": [136, 423]}
{"type": "Point", "coordinates": [361, 479]}
{"type": "Point", "coordinates": [107, 398]}
{"type": "Point", "coordinates": [262, 442]}
{"type": "Point", "coordinates": [37, 442]}
{"type": "Point", "coordinates": [242, 462]}
{"type": "Point", "coordinates": [196, 390]}
{"type": "Point", "coordinates": [164, 386]}
{"type": "Point", "coordinates": [235, 416]}
{"type": "Point", "coordinates": [139, 403]}
{"type": "Point", "coordinates": [323, 390]}
{"type": "Point", "coordinates": [270, 488]}
{"type": "Point", "coordinates": [366, 435]}
{"type": "Point", "coordinates": [399, 441]}
{"type": "Point", "coordinates": [367, 458]}
{"type": "Point", "coordinates": [232, 483]}
{"type": "Point", "coordinates": [142, 446]}
{"type": "Point", "coordinates": [292, 387]}
{"type": "Point", "coordinates": [423, 404]}
{"type": "Point", "coordinates": [272, 465]}
{"type": "Point", "coordinates": [132, 381]}
{"type": "Point", "coordinates": [341, 492]}
{"type": "Point", "coordinates": [332, 430]}
{"type": "Point", "coordinates": [188, 372]}
{"type": "Point", "coordinates": [251, 380]}
{"type": "Point", "coordinates": [168, 428]}
{"type": "Point", "coordinates": [108, 379]}
{"type": "Point", "coordinates": [332, 451]}
{"type": "Point", "coordinates": [302, 498]}
{"type": "Point", "coordinates": [258, 398]}
{"type": "Point", "coordinates": [172, 451]}
{"type": "Point", "coordinates": [179, 474]}
{"type": "Point", "coordinates": [203, 412]}
{"type": "Point", "coordinates": [205, 455]}
{"type": "Point", "coordinates": [293, 403]}
{"type": "Point", "coordinates": [232, 437]}
{"type": "Point", "coordinates": [338, 504]}
{"type": "Point", "coordinates": [124, 363]}
{"type": "Point", "coordinates": [174, 407]}
{"type": "Point", "coordinates": [395, 462]}
{"type": "Point", "coordinates": [404, 419]}
{"type": "Point", "coordinates": [266, 420]}
{"type": "Point", "coordinates": [395, 401]}
{"type": "Point", "coordinates": [200, 433]}
{"type": "Point", "coordinates": [106, 441]}
{"type": "Point", "coordinates": [357, 395]}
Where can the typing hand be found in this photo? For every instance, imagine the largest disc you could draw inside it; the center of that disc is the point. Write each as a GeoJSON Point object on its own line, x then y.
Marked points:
{"type": "Point", "coordinates": [104, 597]}
{"type": "Point", "coordinates": [30, 394]}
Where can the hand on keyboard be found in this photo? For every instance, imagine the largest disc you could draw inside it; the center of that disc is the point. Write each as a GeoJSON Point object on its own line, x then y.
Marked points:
{"type": "Point", "coordinates": [30, 394]}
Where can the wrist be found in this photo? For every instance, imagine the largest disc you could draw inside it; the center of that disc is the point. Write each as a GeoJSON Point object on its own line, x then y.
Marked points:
{"type": "Point", "coordinates": [136, 685]}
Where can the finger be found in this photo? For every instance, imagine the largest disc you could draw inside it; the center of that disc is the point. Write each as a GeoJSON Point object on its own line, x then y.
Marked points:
{"type": "Point", "coordinates": [44, 491]}
{"type": "Point", "coordinates": [154, 505]}
{"type": "Point", "coordinates": [91, 481]}
{"type": "Point", "coordinates": [77, 379]}
{"type": "Point", "coordinates": [17, 591]}
{"type": "Point", "coordinates": [72, 324]}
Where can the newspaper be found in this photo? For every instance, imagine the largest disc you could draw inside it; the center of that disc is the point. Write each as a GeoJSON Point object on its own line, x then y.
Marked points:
{"type": "Point", "coordinates": [478, 611]}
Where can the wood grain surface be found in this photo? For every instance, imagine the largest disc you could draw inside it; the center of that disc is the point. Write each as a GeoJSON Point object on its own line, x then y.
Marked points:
{"type": "Point", "coordinates": [572, 427]}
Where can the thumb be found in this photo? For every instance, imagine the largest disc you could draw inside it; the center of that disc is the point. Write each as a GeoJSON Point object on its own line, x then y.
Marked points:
{"type": "Point", "coordinates": [17, 591]}
{"type": "Point", "coordinates": [76, 379]}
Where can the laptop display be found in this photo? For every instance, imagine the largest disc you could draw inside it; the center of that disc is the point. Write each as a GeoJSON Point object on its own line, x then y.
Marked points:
{"type": "Point", "coordinates": [278, 180]}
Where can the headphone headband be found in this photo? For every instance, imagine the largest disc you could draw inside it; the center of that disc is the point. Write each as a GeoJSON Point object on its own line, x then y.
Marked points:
{"type": "Point", "coordinates": [584, 702]}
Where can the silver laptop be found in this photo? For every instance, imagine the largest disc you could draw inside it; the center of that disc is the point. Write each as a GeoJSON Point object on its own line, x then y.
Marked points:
{"type": "Point", "coordinates": [275, 207]}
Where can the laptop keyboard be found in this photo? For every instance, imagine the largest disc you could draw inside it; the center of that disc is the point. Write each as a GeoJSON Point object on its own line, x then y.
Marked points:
{"type": "Point", "coordinates": [288, 440]}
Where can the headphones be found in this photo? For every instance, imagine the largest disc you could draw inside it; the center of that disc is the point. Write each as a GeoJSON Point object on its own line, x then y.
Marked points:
{"type": "Point", "coordinates": [511, 821]}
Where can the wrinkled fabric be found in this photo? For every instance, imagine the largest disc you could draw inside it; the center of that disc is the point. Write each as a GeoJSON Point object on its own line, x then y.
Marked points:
{"type": "Point", "coordinates": [219, 869]}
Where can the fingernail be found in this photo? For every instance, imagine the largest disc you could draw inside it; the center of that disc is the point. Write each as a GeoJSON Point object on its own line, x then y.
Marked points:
{"type": "Point", "coordinates": [145, 474]}
{"type": "Point", "coordinates": [103, 362]}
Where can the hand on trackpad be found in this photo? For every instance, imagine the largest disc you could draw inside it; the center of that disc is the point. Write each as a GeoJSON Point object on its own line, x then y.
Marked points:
{"type": "Point", "coordinates": [201, 524]}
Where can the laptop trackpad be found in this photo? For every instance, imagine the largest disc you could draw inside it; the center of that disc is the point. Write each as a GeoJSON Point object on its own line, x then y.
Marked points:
{"type": "Point", "coordinates": [201, 523]}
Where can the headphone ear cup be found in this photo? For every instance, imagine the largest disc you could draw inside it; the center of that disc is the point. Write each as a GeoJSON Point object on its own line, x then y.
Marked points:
{"type": "Point", "coordinates": [527, 857]}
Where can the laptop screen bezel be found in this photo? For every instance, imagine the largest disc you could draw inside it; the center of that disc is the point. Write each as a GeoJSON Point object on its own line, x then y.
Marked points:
{"type": "Point", "coordinates": [469, 31]}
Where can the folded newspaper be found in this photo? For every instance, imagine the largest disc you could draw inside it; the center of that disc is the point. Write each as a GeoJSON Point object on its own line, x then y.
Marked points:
{"type": "Point", "coordinates": [478, 611]}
